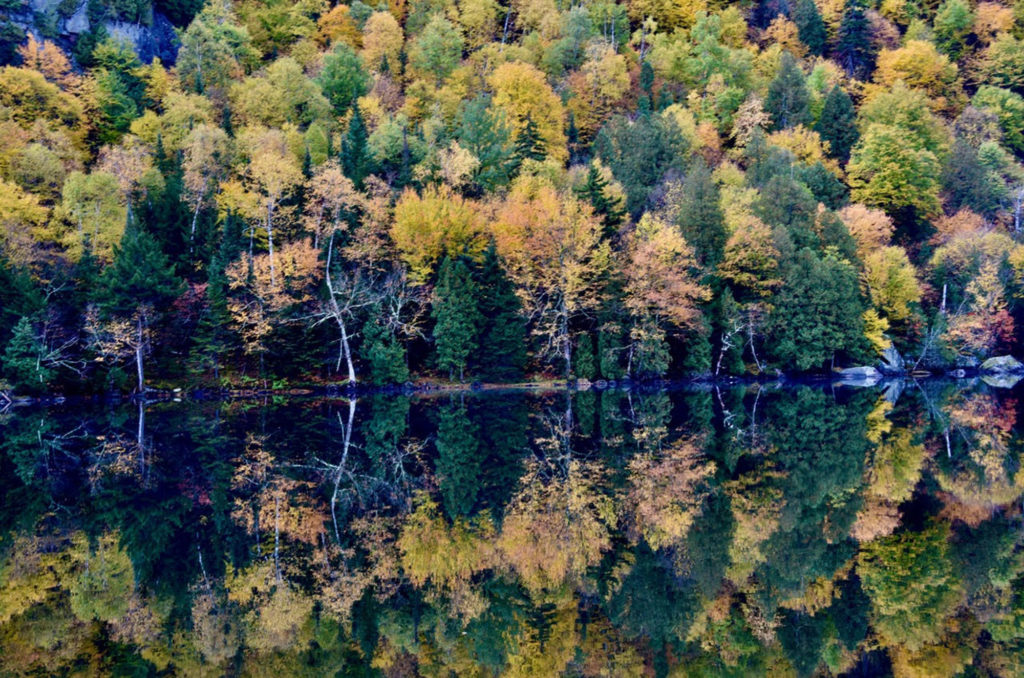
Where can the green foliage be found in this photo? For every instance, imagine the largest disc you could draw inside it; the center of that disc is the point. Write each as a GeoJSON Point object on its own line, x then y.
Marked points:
{"type": "Point", "coordinates": [456, 317]}
{"type": "Point", "coordinates": [23, 360]}
{"type": "Point", "coordinates": [810, 26]}
{"type": "Point", "coordinates": [356, 161]}
{"type": "Point", "coordinates": [788, 101]}
{"type": "Point", "coordinates": [854, 47]}
{"type": "Point", "coordinates": [700, 215]}
{"type": "Point", "coordinates": [818, 314]}
{"type": "Point", "coordinates": [501, 344]}
{"type": "Point", "coordinates": [383, 353]}
{"type": "Point", "coordinates": [912, 585]}
{"type": "Point", "coordinates": [953, 23]}
{"type": "Point", "coordinates": [639, 153]}
{"type": "Point", "coordinates": [609, 208]}
{"type": "Point", "coordinates": [837, 123]}
{"type": "Point", "coordinates": [343, 78]}
{"type": "Point", "coordinates": [140, 275]}
{"type": "Point", "coordinates": [1008, 107]}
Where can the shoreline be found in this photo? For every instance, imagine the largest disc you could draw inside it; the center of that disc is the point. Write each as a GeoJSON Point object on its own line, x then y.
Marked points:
{"type": "Point", "coordinates": [433, 389]}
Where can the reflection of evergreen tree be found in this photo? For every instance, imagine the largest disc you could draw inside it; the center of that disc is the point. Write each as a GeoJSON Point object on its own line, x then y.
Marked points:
{"type": "Point", "coordinates": [458, 459]}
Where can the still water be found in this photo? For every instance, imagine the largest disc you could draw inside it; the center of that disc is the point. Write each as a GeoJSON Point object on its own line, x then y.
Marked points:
{"type": "Point", "coordinates": [694, 532]}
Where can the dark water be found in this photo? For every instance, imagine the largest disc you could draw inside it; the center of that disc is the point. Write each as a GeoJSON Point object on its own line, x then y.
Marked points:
{"type": "Point", "coordinates": [754, 531]}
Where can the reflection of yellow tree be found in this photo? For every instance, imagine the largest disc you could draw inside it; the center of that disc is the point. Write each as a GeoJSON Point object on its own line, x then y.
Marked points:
{"type": "Point", "coordinates": [666, 492]}
{"type": "Point", "coordinates": [553, 531]}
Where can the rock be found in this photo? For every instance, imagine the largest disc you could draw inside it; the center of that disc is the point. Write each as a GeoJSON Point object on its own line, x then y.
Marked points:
{"type": "Point", "coordinates": [1002, 380]}
{"type": "Point", "coordinates": [1003, 364]}
{"type": "Point", "coordinates": [865, 373]}
{"type": "Point", "coordinates": [78, 22]}
{"type": "Point", "coordinates": [958, 374]}
{"type": "Point", "coordinates": [892, 362]}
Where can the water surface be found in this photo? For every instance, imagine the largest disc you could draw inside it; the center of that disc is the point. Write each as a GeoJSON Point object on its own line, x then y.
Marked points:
{"type": "Point", "coordinates": [748, 531]}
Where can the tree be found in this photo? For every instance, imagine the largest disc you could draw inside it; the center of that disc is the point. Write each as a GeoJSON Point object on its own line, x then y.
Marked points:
{"type": "Point", "coordinates": [818, 313]}
{"type": "Point", "coordinates": [887, 171]}
{"type": "Point", "coordinates": [272, 173]}
{"type": "Point", "coordinates": [954, 22]}
{"type": "Point", "coordinates": [1008, 107]}
{"type": "Point", "coordinates": [529, 145]}
{"type": "Point", "coordinates": [437, 50]}
{"type": "Point", "coordinates": [205, 162]}
{"type": "Point", "coordinates": [639, 153]}
{"type": "Point", "coordinates": [891, 282]}
{"type": "Point", "coordinates": [968, 183]}
{"type": "Point", "coordinates": [609, 207]}
{"type": "Point", "coordinates": [837, 124]}
{"type": "Point", "coordinates": [854, 46]}
{"type": "Point", "coordinates": [214, 50]}
{"type": "Point", "coordinates": [700, 216]}
{"type": "Point", "coordinates": [383, 353]}
{"type": "Point", "coordinates": [522, 93]}
{"type": "Point", "coordinates": [810, 25]}
{"type": "Point", "coordinates": [1001, 64]}
{"type": "Point", "coordinates": [486, 135]}
{"type": "Point", "coordinates": [136, 286]}
{"type": "Point", "coordinates": [92, 203]}
{"type": "Point", "coordinates": [554, 252]}
{"type": "Point", "coordinates": [343, 78]}
{"type": "Point", "coordinates": [24, 359]}
{"type": "Point", "coordinates": [280, 95]}
{"type": "Point", "coordinates": [501, 347]}
{"type": "Point", "coordinates": [382, 43]}
{"type": "Point", "coordinates": [661, 289]}
{"type": "Point", "coordinates": [919, 65]}
{"type": "Point", "coordinates": [456, 318]}
{"type": "Point", "coordinates": [431, 225]}
{"type": "Point", "coordinates": [355, 156]}
{"type": "Point", "coordinates": [788, 101]}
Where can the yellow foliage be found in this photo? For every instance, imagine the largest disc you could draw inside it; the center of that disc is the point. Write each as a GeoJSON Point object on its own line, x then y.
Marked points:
{"type": "Point", "coordinates": [437, 223]}
{"type": "Point", "coordinates": [870, 228]}
{"type": "Point", "coordinates": [382, 40]}
{"type": "Point", "coordinates": [520, 90]}
{"type": "Point", "coordinates": [920, 65]}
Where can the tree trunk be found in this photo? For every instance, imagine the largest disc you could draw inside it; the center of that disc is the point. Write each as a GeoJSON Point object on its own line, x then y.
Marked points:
{"type": "Point", "coordinates": [345, 350]}
{"type": "Point", "coordinates": [138, 355]}
{"type": "Point", "coordinates": [270, 242]}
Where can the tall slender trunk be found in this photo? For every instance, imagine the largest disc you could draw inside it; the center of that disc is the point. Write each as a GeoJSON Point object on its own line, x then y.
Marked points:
{"type": "Point", "coordinates": [138, 354]}
{"type": "Point", "coordinates": [270, 241]}
{"type": "Point", "coordinates": [345, 350]}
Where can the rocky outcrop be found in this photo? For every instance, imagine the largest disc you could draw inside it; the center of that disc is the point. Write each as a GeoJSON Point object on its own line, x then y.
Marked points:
{"type": "Point", "coordinates": [892, 362]}
{"type": "Point", "coordinates": [861, 375]}
{"type": "Point", "coordinates": [153, 38]}
{"type": "Point", "coordinates": [1003, 364]}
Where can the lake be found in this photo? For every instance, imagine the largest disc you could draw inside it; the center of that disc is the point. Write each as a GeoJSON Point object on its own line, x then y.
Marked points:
{"type": "Point", "coordinates": [754, 530]}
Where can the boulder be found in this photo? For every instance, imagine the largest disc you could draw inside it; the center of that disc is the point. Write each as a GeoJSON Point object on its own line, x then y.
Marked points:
{"type": "Point", "coordinates": [1003, 364]}
{"type": "Point", "coordinates": [1002, 380]}
{"type": "Point", "coordinates": [892, 362]}
{"type": "Point", "coordinates": [860, 373]}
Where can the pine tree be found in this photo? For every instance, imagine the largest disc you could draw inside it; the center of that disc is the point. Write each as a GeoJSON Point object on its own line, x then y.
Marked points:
{"type": "Point", "coordinates": [610, 208]}
{"type": "Point", "coordinates": [138, 284]}
{"type": "Point", "coordinates": [837, 123]}
{"type": "Point", "coordinates": [23, 360]}
{"type": "Point", "coordinates": [529, 145]}
{"type": "Point", "coordinates": [501, 348]}
{"type": "Point", "coordinates": [854, 49]}
{"type": "Point", "coordinates": [456, 317]}
{"type": "Point", "coordinates": [212, 336]}
{"type": "Point", "coordinates": [700, 216]}
{"type": "Point", "coordinates": [810, 26]}
{"type": "Point", "coordinates": [383, 353]}
{"type": "Point", "coordinates": [355, 156]}
{"type": "Point", "coordinates": [788, 101]}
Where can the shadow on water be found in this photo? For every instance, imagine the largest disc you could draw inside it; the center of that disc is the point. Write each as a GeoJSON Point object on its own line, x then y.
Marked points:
{"type": "Point", "coordinates": [757, 529]}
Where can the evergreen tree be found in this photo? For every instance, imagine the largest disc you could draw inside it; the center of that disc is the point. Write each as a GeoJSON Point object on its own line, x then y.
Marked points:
{"type": "Point", "coordinates": [456, 316]}
{"type": "Point", "coordinates": [788, 101]}
{"type": "Point", "coordinates": [355, 156]}
{"type": "Point", "coordinates": [213, 336]}
{"type": "Point", "coordinates": [138, 284]}
{"type": "Point", "coordinates": [818, 314]}
{"type": "Point", "coordinates": [501, 349]}
{"type": "Point", "coordinates": [810, 26]}
{"type": "Point", "coordinates": [459, 462]}
{"type": "Point", "coordinates": [854, 49]}
{"type": "Point", "coordinates": [968, 183]}
{"type": "Point", "coordinates": [18, 296]}
{"type": "Point", "coordinates": [837, 124]}
{"type": "Point", "coordinates": [23, 360]}
{"type": "Point", "coordinates": [700, 215]}
{"type": "Point", "coordinates": [529, 144]}
{"type": "Point", "coordinates": [383, 353]}
{"type": "Point", "coordinates": [584, 361]}
{"type": "Point", "coordinates": [609, 208]}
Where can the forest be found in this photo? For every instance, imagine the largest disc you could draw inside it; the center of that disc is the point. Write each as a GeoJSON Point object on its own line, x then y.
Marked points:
{"type": "Point", "coordinates": [303, 192]}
